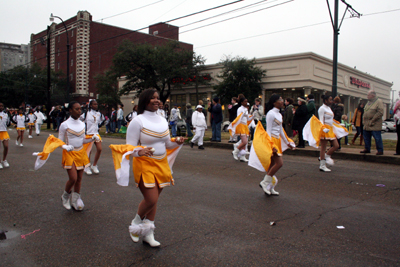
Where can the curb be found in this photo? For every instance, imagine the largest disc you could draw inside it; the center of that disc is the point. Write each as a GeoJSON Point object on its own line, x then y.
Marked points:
{"type": "Point", "coordinates": [337, 155]}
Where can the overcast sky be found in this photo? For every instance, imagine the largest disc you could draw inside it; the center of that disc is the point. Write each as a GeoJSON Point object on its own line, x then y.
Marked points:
{"type": "Point", "coordinates": [370, 43]}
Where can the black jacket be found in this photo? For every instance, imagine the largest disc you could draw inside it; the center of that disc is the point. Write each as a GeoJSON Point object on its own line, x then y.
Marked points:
{"type": "Point", "coordinates": [233, 112]}
{"type": "Point", "coordinates": [300, 118]}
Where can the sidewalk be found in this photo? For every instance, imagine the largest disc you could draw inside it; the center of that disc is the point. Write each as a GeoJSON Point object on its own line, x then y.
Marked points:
{"type": "Point", "coordinates": [344, 154]}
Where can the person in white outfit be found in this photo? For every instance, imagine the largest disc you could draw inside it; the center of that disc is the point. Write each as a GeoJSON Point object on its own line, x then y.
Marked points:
{"type": "Point", "coordinates": [161, 111]}
{"type": "Point", "coordinates": [93, 120]}
{"type": "Point", "coordinates": [74, 159]}
{"type": "Point", "coordinates": [32, 120]}
{"type": "Point", "coordinates": [151, 168]}
{"type": "Point", "coordinates": [277, 134]}
{"type": "Point", "coordinates": [4, 137]}
{"type": "Point", "coordinates": [20, 119]}
{"type": "Point", "coordinates": [40, 118]}
{"type": "Point", "coordinates": [131, 115]}
{"type": "Point", "coordinates": [199, 127]}
{"type": "Point", "coordinates": [326, 115]}
{"type": "Point", "coordinates": [242, 130]}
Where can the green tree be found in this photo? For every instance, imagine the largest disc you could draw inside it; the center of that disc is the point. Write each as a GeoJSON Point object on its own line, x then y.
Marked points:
{"type": "Point", "coordinates": [239, 76]}
{"type": "Point", "coordinates": [22, 84]}
{"type": "Point", "coordinates": [160, 67]}
{"type": "Point", "coordinates": [107, 87]}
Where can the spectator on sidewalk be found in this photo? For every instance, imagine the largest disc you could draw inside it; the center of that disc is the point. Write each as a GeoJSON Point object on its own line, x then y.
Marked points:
{"type": "Point", "coordinates": [372, 121]}
{"type": "Point", "coordinates": [232, 116]}
{"type": "Point", "coordinates": [300, 119]}
{"type": "Point", "coordinates": [120, 116]}
{"type": "Point", "coordinates": [288, 117]}
{"type": "Point", "coordinates": [216, 119]}
{"type": "Point", "coordinates": [113, 119]}
{"type": "Point", "coordinates": [188, 119]}
{"type": "Point", "coordinates": [311, 110]}
{"type": "Point", "coordinates": [357, 122]}
{"type": "Point", "coordinates": [173, 120]}
{"type": "Point", "coordinates": [396, 112]}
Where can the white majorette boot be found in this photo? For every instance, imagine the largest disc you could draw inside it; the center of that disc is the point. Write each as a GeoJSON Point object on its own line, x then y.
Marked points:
{"type": "Point", "coordinates": [266, 184]}
{"type": "Point", "coordinates": [235, 151]}
{"type": "Point", "coordinates": [66, 200]}
{"type": "Point", "coordinates": [135, 223]}
{"type": "Point", "coordinates": [274, 183]}
{"type": "Point", "coordinates": [5, 164]}
{"type": "Point", "coordinates": [149, 238]}
{"type": "Point", "coordinates": [76, 201]}
{"type": "Point", "coordinates": [88, 171]}
{"type": "Point", "coordinates": [322, 166]}
{"type": "Point", "coordinates": [95, 170]}
{"type": "Point", "coordinates": [243, 159]}
{"type": "Point", "coordinates": [329, 160]}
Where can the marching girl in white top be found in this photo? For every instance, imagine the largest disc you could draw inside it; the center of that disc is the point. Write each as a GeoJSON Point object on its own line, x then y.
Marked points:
{"type": "Point", "coordinates": [93, 120]}
{"type": "Point", "coordinates": [40, 118]}
{"type": "Point", "coordinates": [4, 137]}
{"type": "Point", "coordinates": [74, 159]}
{"type": "Point", "coordinates": [151, 168]}
{"type": "Point", "coordinates": [32, 120]}
{"type": "Point", "coordinates": [242, 130]}
{"type": "Point", "coordinates": [326, 115]}
{"type": "Point", "coordinates": [20, 119]}
{"type": "Point", "coordinates": [161, 111]}
{"type": "Point", "coordinates": [278, 136]}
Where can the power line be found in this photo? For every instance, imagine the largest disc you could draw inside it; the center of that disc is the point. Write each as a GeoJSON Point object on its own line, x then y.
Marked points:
{"type": "Point", "coordinates": [129, 11]}
{"type": "Point", "coordinates": [169, 11]}
{"type": "Point", "coordinates": [238, 16]}
{"type": "Point", "coordinates": [291, 29]}
{"type": "Point", "coordinates": [234, 10]}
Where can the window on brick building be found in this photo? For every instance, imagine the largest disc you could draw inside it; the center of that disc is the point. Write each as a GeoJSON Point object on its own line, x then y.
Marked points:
{"type": "Point", "coordinates": [72, 48]}
{"type": "Point", "coordinates": [59, 38]}
{"type": "Point", "coordinates": [72, 33]}
{"type": "Point", "coordinates": [71, 76]}
{"type": "Point", "coordinates": [72, 62]}
{"type": "Point", "coordinates": [58, 65]}
{"type": "Point", "coordinates": [58, 52]}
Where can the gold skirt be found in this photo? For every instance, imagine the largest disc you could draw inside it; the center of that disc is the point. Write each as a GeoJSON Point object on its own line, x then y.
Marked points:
{"type": "Point", "coordinates": [330, 135]}
{"type": "Point", "coordinates": [79, 157]}
{"type": "Point", "coordinates": [21, 129]}
{"type": "Point", "coordinates": [4, 136]}
{"type": "Point", "coordinates": [152, 171]}
{"type": "Point", "coordinates": [90, 136]}
{"type": "Point", "coordinates": [277, 145]}
{"type": "Point", "coordinates": [242, 129]}
{"type": "Point", "coordinates": [31, 124]}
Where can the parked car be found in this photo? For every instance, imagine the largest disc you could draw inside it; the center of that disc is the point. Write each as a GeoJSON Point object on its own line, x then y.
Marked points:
{"type": "Point", "coordinates": [388, 126]}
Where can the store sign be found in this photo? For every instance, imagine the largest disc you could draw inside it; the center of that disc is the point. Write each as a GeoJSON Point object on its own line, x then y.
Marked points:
{"type": "Point", "coordinates": [359, 83]}
{"type": "Point", "coordinates": [205, 77]}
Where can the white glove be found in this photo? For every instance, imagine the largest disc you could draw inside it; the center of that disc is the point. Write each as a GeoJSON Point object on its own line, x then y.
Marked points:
{"type": "Point", "coordinates": [68, 147]}
{"type": "Point", "coordinates": [96, 138]}
{"type": "Point", "coordinates": [326, 130]}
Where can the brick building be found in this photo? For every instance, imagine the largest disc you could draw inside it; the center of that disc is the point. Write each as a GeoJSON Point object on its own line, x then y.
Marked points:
{"type": "Point", "coordinates": [92, 47]}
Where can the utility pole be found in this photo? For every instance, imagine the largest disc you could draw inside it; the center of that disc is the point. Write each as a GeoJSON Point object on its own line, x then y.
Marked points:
{"type": "Point", "coordinates": [336, 28]}
{"type": "Point", "coordinates": [48, 78]}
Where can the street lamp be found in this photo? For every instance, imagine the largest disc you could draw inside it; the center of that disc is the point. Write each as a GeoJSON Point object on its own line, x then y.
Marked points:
{"type": "Point", "coordinates": [66, 32]}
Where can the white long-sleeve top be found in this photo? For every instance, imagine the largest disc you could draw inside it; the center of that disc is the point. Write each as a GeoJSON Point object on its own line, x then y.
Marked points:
{"type": "Point", "coordinates": [150, 130]}
{"type": "Point", "coordinates": [325, 115]}
{"type": "Point", "coordinates": [274, 125]}
{"type": "Point", "coordinates": [4, 120]}
{"type": "Point", "coordinates": [72, 132]}
{"type": "Point", "coordinates": [32, 118]}
{"type": "Point", "coordinates": [92, 120]}
{"type": "Point", "coordinates": [245, 117]}
{"type": "Point", "coordinates": [20, 120]}
{"type": "Point", "coordinates": [198, 120]}
{"type": "Point", "coordinates": [40, 117]}
{"type": "Point", "coordinates": [120, 114]}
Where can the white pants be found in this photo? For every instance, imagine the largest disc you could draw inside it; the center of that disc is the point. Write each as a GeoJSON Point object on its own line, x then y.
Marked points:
{"type": "Point", "coordinates": [199, 135]}
{"type": "Point", "coordinates": [37, 127]}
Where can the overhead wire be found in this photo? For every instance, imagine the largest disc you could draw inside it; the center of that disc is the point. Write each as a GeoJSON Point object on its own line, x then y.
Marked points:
{"type": "Point", "coordinates": [128, 11]}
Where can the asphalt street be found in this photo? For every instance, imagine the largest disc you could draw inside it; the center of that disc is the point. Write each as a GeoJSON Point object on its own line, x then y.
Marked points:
{"type": "Point", "coordinates": [215, 215]}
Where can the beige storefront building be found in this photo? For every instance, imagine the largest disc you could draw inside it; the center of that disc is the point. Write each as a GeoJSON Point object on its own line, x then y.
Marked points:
{"type": "Point", "coordinates": [293, 76]}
